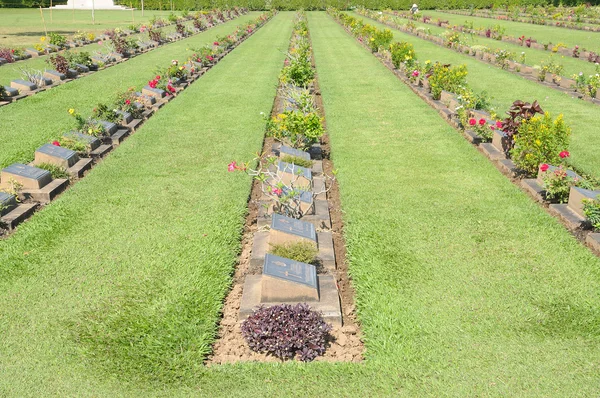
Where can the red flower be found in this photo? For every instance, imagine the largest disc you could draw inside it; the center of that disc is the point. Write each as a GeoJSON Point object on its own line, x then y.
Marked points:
{"type": "Point", "coordinates": [472, 122]}
{"type": "Point", "coordinates": [564, 154]}
{"type": "Point", "coordinates": [277, 191]}
{"type": "Point", "coordinates": [544, 167]}
{"type": "Point", "coordinates": [232, 166]}
{"type": "Point", "coordinates": [128, 102]}
{"type": "Point", "coordinates": [157, 77]}
{"type": "Point", "coordinates": [481, 122]}
{"type": "Point", "coordinates": [499, 124]}
{"type": "Point", "coordinates": [216, 43]}
{"type": "Point", "coordinates": [171, 88]}
{"type": "Point", "coordinates": [55, 143]}
{"type": "Point", "coordinates": [152, 83]}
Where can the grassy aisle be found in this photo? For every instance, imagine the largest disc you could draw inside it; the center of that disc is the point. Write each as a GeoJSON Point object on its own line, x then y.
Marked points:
{"type": "Point", "coordinates": [465, 286]}
{"type": "Point", "coordinates": [532, 56]}
{"type": "Point", "coordinates": [505, 87]}
{"type": "Point", "coordinates": [23, 26]}
{"type": "Point", "coordinates": [11, 72]}
{"type": "Point", "coordinates": [542, 33]}
{"type": "Point", "coordinates": [141, 251]}
{"type": "Point", "coordinates": [31, 122]}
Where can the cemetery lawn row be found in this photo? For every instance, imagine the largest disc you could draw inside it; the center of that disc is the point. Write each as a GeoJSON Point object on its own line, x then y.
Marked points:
{"type": "Point", "coordinates": [9, 72]}
{"type": "Point", "coordinates": [532, 56]}
{"type": "Point", "coordinates": [464, 285]}
{"type": "Point", "coordinates": [543, 33]}
{"type": "Point", "coordinates": [23, 26]}
{"type": "Point", "coordinates": [31, 122]}
{"type": "Point", "coordinates": [119, 282]}
{"type": "Point", "coordinates": [504, 87]}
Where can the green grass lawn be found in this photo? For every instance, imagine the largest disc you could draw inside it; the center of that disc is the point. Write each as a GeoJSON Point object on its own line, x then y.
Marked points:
{"type": "Point", "coordinates": [465, 287]}
{"type": "Point", "coordinates": [532, 56]}
{"type": "Point", "coordinates": [33, 121]}
{"type": "Point", "coordinates": [143, 248]}
{"type": "Point", "coordinates": [23, 27]}
{"type": "Point", "coordinates": [505, 87]}
{"type": "Point", "coordinates": [10, 72]}
{"type": "Point", "coordinates": [543, 33]}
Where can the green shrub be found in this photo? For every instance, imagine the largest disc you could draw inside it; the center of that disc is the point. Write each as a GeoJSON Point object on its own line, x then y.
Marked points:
{"type": "Point", "coordinates": [540, 140]}
{"type": "Point", "coordinates": [298, 129]}
{"type": "Point", "coordinates": [403, 53]}
{"type": "Point", "coordinates": [298, 161]}
{"type": "Point", "coordinates": [57, 39]}
{"type": "Point", "coordinates": [56, 171]}
{"type": "Point", "coordinates": [304, 252]}
{"type": "Point", "coordinates": [380, 39]}
{"type": "Point", "coordinates": [591, 209]}
{"type": "Point", "coordinates": [447, 78]}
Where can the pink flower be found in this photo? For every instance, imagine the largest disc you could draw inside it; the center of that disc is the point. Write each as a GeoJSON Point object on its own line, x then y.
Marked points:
{"type": "Point", "coordinates": [499, 124]}
{"type": "Point", "coordinates": [157, 77]}
{"type": "Point", "coordinates": [415, 73]}
{"type": "Point", "coordinates": [277, 191]}
{"type": "Point", "coordinates": [544, 167]}
{"type": "Point", "coordinates": [481, 122]}
{"type": "Point", "coordinates": [232, 166]}
{"type": "Point", "coordinates": [564, 154]}
{"type": "Point", "coordinates": [55, 143]}
{"type": "Point", "coordinates": [171, 88]}
{"type": "Point", "coordinates": [472, 122]}
{"type": "Point", "coordinates": [216, 43]}
{"type": "Point", "coordinates": [128, 102]}
{"type": "Point", "coordinates": [99, 42]}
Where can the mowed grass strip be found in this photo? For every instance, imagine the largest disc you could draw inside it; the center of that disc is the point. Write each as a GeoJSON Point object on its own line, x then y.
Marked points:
{"type": "Point", "coordinates": [122, 278]}
{"type": "Point", "coordinates": [542, 33]}
{"type": "Point", "coordinates": [33, 121]}
{"type": "Point", "coordinates": [464, 285]}
{"type": "Point", "coordinates": [23, 26]}
{"type": "Point", "coordinates": [533, 56]}
{"type": "Point", "coordinates": [10, 72]}
{"type": "Point", "coordinates": [504, 87]}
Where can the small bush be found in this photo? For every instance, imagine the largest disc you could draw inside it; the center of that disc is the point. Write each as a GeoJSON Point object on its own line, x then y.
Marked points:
{"type": "Point", "coordinates": [591, 209]}
{"type": "Point", "coordinates": [304, 252]}
{"type": "Point", "coordinates": [558, 183]}
{"type": "Point", "coordinates": [296, 128]}
{"type": "Point", "coordinates": [60, 63]}
{"type": "Point", "coordinates": [287, 331]}
{"type": "Point", "coordinates": [56, 171]}
{"type": "Point", "coordinates": [380, 39]}
{"type": "Point", "coordinates": [540, 140]}
{"type": "Point", "coordinates": [57, 39]}
{"type": "Point", "coordinates": [403, 53]}
{"type": "Point", "coordinates": [298, 161]}
{"type": "Point", "coordinates": [447, 78]}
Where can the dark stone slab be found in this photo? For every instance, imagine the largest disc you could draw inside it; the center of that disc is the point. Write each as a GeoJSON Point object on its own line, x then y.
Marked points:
{"type": "Point", "coordinates": [30, 177]}
{"type": "Point", "coordinates": [11, 92]}
{"type": "Point", "coordinates": [54, 75]}
{"type": "Point", "coordinates": [295, 170]}
{"type": "Point", "coordinates": [290, 270]}
{"type": "Point", "coordinates": [286, 150]}
{"type": "Point", "coordinates": [67, 156]}
{"type": "Point", "coordinates": [7, 203]}
{"type": "Point", "coordinates": [23, 85]}
{"type": "Point", "coordinates": [293, 227]}
{"type": "Point", "coordinates": [91, 141]}
{"type": "Point", "coordinates": [82, 68]}
{"type": "Point", "coordinates": [110, 127]}
{"type": "Point", "coordinates": [127, 118]}
{"type": "Point", "coordinates": [153, 92]}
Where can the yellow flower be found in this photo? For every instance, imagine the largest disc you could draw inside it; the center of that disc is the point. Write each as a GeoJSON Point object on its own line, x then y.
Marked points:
{"type": "Point", "coordinates": [71, 111]}
{"type": "Point", "coordinates": [43, 38]}
{"type": "Point", "coordinates": [181, 68]}
{"type": "Point", "coordinates": [538, 142]}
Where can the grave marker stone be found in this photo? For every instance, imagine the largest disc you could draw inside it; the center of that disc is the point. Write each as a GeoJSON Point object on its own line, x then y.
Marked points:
{"type": "Point", "coordinates": [29, 177]}
{"type": "Point", "coordinates": [23, 85]}
{"type": "Point", "coordinates": [285, 229]}
{"type": "Point", "coordinates": [285, 280]}
{"type": "Point", "coordinates": [301, 176]}
{"type": "Point", "coordinates": [7, 203]}
{"type": "Point", "coordinates": [286, 150]}
{"type": "Point", "coordinates": [56, 155]}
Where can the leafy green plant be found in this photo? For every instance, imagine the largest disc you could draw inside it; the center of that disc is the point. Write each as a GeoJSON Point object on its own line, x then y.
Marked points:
{"type": "Point", "coordinates": [82, 58]}
{"type": "Point", "coordinates": [298, 129]}
{"type": "Point", "coordinates": [57, 39]}
{"type": "Point", "coordinates": [55, 171]}
{"type": "Point", "coordinates": [304, 252]}
{"type": "Point", "coordinates": [540, 140]}
{"type": "Point", "coordinates": [558, 183]}
{"type": "Point", "coordinates": [106, 113]}
{"type": "Point", "coordinates": [403, 53]}
{"type": "Point", "coordinates": [298, 161]}
{"type": "Point", "coordinates": [447, 78]}
{"type": "Point", "coordinates": [88, 126]}
{"type": "Point", "coordinates": [550, 66]}
{"type": "Point", "coordinates": [380, 39]}
{"type": "Point", "coordinates": [591, 209]}
{"type": "Point", "coordinates": [70, 142]}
